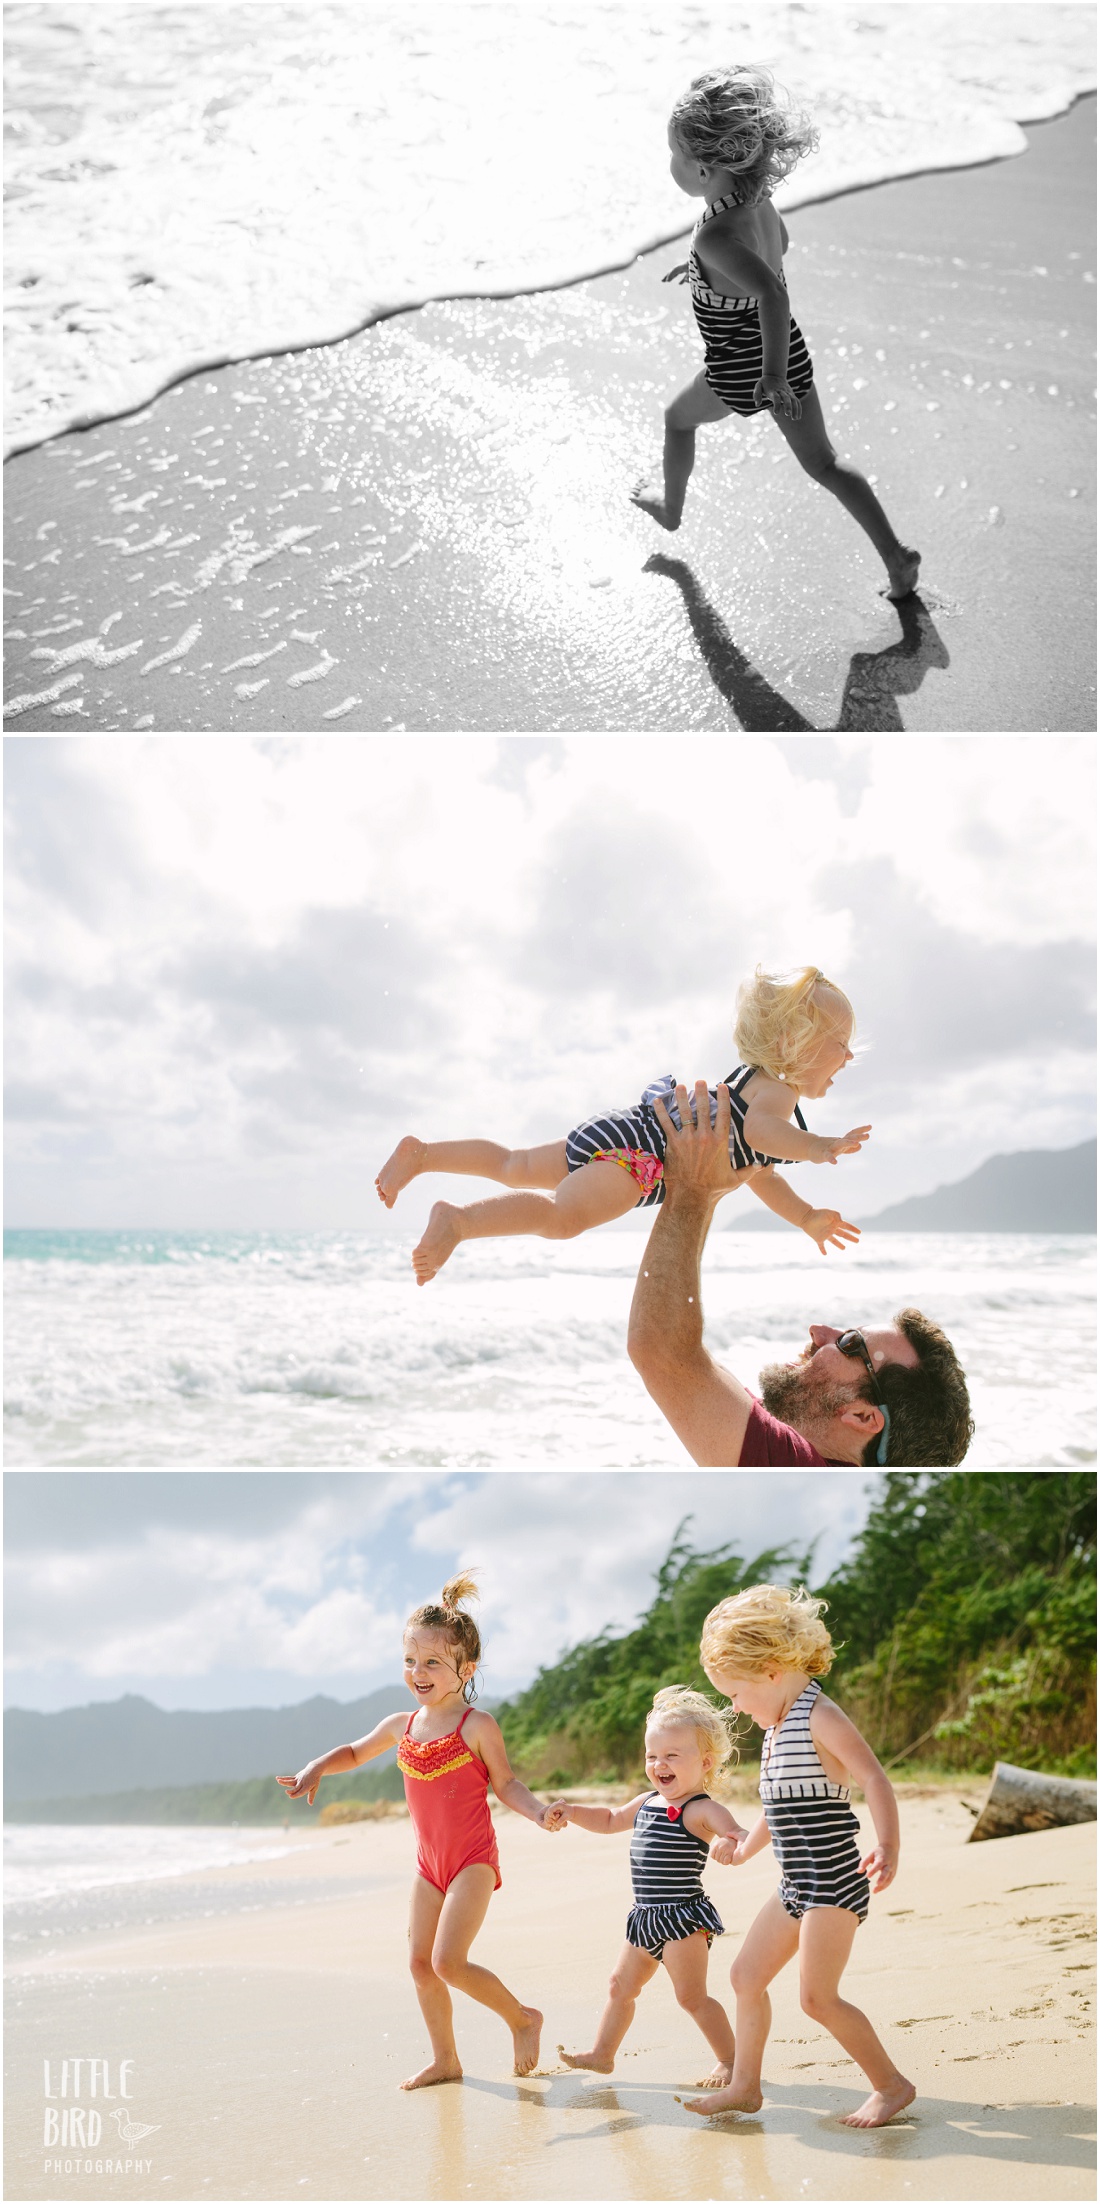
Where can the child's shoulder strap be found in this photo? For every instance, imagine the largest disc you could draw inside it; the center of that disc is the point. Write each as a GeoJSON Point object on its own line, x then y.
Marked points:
{"type": "Point", "coordinates": [409, 1723]}
{"type": "Point", "coordinates": [800, 1120]}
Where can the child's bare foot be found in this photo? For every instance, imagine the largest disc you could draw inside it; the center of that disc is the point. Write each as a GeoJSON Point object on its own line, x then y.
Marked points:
{"type": "Point", "coordinates": [403, 1165]}
{"type": "Point", "coordinates": [440, 1239]}
{"type": "Point", "coordinates": [882, 2105]}
{"type": "Point", "coordinates": [526, 2039]}
{"type": "Point", "coordinates": [650, 497]}
{"type": "Point", "coordinates": [720, 2079]}
{"type": "Point", "coordinates": [587, 2060]}
{"type": "Point", "coordinates": [723, 2100]}
{"type": "Point", "coordinates": [903, 569]}
{"type": "Point", "coordinates": [440, 2070]}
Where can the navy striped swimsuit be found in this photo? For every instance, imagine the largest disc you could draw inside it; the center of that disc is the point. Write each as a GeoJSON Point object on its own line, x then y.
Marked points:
{"type": "Point", "coordinates": [813, 1830]}
{"type": "Point", "coordinates": [730, 330]}
{"type": "Point", "coordinates": [666, 1863]}
{"type": "Point", "coordinates": [638, 1127]}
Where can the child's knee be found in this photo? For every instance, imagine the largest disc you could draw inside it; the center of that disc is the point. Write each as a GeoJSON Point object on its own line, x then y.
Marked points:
{"type": "Point", "coordinates": [516, 1167]}
{"type": "Point", "coordinates": [617, 1987]}
{"type": "Point", "coordinates": [816, 2004]}
{"type": "Point", "coordinates": [420, 1966]}
{"type": "Point", "coordinates": [449, 1966]}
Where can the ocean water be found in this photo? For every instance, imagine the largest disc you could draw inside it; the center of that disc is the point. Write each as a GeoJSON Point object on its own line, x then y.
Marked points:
{"type": "Point", "coordinates": [62, 1883]}
{"type": "Point", "coordinates": [190, 185]}
{"type": "Point", "coordinates": [267, 1349]}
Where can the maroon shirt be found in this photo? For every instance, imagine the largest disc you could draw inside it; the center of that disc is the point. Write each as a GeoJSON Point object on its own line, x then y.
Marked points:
{"type": "Point", "coordinates": [769, 1443]}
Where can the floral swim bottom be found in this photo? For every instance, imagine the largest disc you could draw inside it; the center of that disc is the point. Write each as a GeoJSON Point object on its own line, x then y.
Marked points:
{"type": "Point", "coordinates": [646, 1170]}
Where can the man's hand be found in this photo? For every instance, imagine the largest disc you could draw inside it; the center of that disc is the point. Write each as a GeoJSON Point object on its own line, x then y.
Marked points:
{"type": "Point", "coordinates": [699, 1152]}
{"type": "Point", "coordinates": [828, 1225]}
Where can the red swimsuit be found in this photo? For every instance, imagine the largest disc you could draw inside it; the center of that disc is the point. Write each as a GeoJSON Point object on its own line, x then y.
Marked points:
{"type": "Point", "coordinates": [445, 1786]}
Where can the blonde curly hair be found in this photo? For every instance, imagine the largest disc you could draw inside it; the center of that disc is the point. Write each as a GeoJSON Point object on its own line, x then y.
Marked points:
{"type": "Point", "coordinates": [781, 1018]}
{"type": "Point", "coordinates": [678, 1705]}
{"type": "Point", "coordinates": [739, 118]}
{"type": "Point", "coordinates": [767, 1627]}
{"type": "Point", "coordinates": [448, 1616]}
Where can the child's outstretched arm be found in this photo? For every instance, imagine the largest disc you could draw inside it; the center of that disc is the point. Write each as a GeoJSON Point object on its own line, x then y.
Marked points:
{"type": "Point", "coordinates": [342, 1757]}
{"type": "Point", "coordinates": [600, 1821]}
{"type": "Point", "coordinates": [821, 1225]}
{"type": "Point", "coordinates": [706, 1818]}
{"type": "Point", "coordinates": [484, 1735]}
{"type": "Point", "coordinates": [829, 1726]}
{"type": "Point", "coordinates": [768, 1129]}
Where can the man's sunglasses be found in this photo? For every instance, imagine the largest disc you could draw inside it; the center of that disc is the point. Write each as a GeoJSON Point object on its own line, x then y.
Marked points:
{"type": "Point", "coordinates": [853, 1343]}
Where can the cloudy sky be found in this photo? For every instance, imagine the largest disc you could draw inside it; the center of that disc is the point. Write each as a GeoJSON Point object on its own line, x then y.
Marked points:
{"type": "Point", "coordinates": [228, 1588]}
{"type": "Point", "coordinates": [240, 968]}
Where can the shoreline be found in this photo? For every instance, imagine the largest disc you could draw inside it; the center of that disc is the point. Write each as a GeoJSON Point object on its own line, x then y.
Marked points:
{"type": "Point", "coordinates": [427, 527]}
{"type": "Point", "coordinates": [96, 417]}
{"type": "Point", "coordinates": [268, 2044]}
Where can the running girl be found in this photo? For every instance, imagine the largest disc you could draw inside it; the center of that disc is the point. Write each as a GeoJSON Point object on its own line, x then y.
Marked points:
{"type": "Point", "coordinates": [793, 1035]}
{"type": "Point", "coordinates": [448, 1753]}
{"type": "Point", "coordinates": [765, 1650]}
{"type": "Point", "coordinates": [733, 138]}
{"type": "Point", "coordinates": [672, 1921]}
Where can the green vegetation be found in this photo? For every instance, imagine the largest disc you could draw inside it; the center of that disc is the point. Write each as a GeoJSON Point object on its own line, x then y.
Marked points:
{"type": "Point", "coordinates": [965, 1618]}
{"type": "Point", "coordinates": [253, 1804]}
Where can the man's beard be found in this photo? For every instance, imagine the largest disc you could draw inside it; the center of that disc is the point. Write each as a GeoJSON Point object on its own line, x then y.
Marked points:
{"type": "Point", "coordinates": [801, 1396]}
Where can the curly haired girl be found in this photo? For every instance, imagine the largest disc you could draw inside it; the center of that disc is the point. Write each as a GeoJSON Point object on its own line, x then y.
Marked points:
{"type": "Point", "coordinates": [448, 1753]}
{"type": "Point", "coordinates": [733, 137]}
{"type": "Point", "coordinates": [764, 1650]}
{"type": "Point", "coordinates": [793, 1035]}
{"type": "Point", "coordinates": [672, 1921]}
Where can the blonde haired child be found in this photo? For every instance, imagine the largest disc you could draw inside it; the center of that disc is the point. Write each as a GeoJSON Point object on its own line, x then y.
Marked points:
{"type": "Point", "coordinates": [614, 1163]}
{"type": "Point", "coordinates": [448, 1753]}
{"type": "Point", "coordinates": [764, 1650]}
{"type": "Point", "coordinates": [733, 137]}
{"type": "Point", "coordinates": [672, 1921]}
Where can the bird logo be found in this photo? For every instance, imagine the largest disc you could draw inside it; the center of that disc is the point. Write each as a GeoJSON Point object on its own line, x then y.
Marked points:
{"type": "Point", "coordinates": [131, 2131]}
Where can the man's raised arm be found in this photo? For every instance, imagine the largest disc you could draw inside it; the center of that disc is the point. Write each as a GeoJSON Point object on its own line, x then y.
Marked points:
{"type": "Point", "coordinates": [706, 1405]}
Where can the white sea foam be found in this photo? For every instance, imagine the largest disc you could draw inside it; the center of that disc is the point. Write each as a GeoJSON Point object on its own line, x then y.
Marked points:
{"type": "Point", "coordinates": [46, 1861]}
{"type": "Point", "coordinates": [191, 185]}
{"type": "Point", "coordinates": [318, 1348]}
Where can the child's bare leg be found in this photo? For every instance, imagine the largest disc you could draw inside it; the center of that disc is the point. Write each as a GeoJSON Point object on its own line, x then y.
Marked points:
{"type": "Point", "coordinates": [632, 1970]}
{"type": "Point", "coordinates": [461, 1915]}
{"type": "Point", "coordinates": [593, 1195]}
{"type": "Point", "coordinates": [433, 1995]}
{"type": "Point", "coordinates": [686, 1963]}
{"type": "Point", "coordinates": [480, 1159]}
{"type": "Point", "coordinates": [824, 1949]}
{"type": "Point", "coordinates": [771, 1941]}
{"type": "Point", "coordinates": [694, 405]}
{"type": "Point", "coordinates": [809, 441]}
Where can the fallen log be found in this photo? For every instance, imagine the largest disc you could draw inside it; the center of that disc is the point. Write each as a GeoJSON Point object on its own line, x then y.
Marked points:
{"type": "Point", "coordinates": [1024, 1798]}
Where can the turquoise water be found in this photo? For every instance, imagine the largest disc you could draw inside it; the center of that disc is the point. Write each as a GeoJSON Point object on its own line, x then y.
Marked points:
{"type": "Point", "coordinates": [279, 1349]}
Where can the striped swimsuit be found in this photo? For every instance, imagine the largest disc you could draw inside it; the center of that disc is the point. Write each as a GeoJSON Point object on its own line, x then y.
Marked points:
{"type": "Point", "coordinates": [730, 330]}
{"type": "Point", "coordinates": [814, 1833]}
{"type": "Point", "coordinates": [635, 1132]}
{"type": "Point", "coordinates": [666, 1863]}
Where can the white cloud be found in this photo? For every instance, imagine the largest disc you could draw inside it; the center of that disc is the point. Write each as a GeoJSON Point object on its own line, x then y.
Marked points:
{"type": "Point", "coordinates": [240, 968]}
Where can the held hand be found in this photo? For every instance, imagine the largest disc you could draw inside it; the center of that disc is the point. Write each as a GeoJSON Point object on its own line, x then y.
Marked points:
{"type": "Point", "coordinates": [880, 1866]}
{"type": "Point", "coordinates": [697, 1156]}
{"type": "Point", "coordinates": [830, 1146]}
{"type": "Point", "coordinates": [776, 392]}
{"type": "Point", "coordinates": [679, 274]}
{"type": "Point", "coordinates": [555, 1816]}
{"type": "Point", "coordinates": [303, 1785]}
{"type": "Point", "coordinates": [828, 1225]}
{"type": "Point", "coordinates": [726, 1851]}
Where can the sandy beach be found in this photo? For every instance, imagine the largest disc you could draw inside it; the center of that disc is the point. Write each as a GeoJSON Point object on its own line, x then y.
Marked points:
{"type": "Point", "coordinates": [453, 547]}
{"type": "Point", "coordinates": [267, 2045]}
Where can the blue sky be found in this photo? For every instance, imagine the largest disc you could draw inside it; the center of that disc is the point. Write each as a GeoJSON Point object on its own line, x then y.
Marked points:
{"type": "Point", "coordinates": [237, 1588]}
{"type": "Point", "coordinates": [240, 968]}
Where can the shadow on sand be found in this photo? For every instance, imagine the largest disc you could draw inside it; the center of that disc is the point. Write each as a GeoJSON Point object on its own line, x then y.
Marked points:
{"type": "Point", "coordinates": [875, 678]}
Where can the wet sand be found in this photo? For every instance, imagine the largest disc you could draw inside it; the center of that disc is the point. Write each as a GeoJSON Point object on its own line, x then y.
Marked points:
{"type": "Point", "coordinates": [268, 2047]}
{"type": "Point", "coordinates": [453, 546]}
